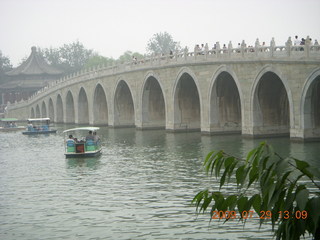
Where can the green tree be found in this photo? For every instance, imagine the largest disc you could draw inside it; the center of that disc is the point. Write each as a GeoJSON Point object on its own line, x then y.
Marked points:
{"type": "Point", "coordinates": [70, 57]}
{"type": "Point", "coordinates": [5, 66]}
{"type": "Point", "coordinates": [128, 56]}
{"type": "Point", "coordinates": [97, 60]}
{"type": "Point", "coordinates": [270, 185]}
{"type": "Point", "coordinates": [162, 43]}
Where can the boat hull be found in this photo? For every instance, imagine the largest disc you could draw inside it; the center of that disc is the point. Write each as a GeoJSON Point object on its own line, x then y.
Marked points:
{"type": "Point", "coordinates": [83, 154]}
{"type": "Point", "coordinates": [14, 129]}
{"type": "Point", "coordinates": [39, 132]}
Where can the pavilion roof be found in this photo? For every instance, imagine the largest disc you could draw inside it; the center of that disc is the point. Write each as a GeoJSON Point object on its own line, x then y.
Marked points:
{"type": "Point", "coordinates": [34, 65]}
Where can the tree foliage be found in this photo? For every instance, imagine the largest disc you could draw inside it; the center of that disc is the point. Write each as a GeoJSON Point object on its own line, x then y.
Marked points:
{"type": "Point", "coordinates": [98, 60]}
{"type": "Point", "coordinates": [266, 183]}
{"type": "Point", "coordinates": [128, 56]}
{"type": "Point", "coordinates": [69, 57]}
{"type": "Point", "coordinates": [5, 66]}
{"type": "Point", "coordinates": [162, 43]}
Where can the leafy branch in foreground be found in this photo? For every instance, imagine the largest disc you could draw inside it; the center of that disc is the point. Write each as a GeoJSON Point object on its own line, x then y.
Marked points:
{"type": "Point", "coordinates": [287, 189]}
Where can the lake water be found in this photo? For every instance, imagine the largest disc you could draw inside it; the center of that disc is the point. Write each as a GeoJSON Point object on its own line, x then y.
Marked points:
{"type": "Point", "coordinates": [141, 187]}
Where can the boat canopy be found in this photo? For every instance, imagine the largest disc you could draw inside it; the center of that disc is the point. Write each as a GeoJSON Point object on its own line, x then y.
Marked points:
{"type": "Point", "coordinates": [38, 119]}
{"type": "Point", "coordinates": [93, 129]}
{"type": "Point", "coordinates": [8, 119]}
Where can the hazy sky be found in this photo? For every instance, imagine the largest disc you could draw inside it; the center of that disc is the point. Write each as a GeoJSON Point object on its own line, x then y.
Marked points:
{"type": "Point", "coordinates": [113, 27]}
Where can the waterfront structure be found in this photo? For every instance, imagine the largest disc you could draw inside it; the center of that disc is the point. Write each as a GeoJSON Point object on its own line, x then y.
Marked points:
{"type": "Point", "coordinates": [257, 91]}
{"type": "Point", "coordinates": [23, 81]}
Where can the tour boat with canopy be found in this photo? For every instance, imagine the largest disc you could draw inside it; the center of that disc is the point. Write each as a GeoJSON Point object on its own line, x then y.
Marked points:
{"type": "Point", "coordinates": [9, 125]}
{"type": "Point", "coordinates": [38, 126]}
{"type": "Point", "coordinates": [88, 146]}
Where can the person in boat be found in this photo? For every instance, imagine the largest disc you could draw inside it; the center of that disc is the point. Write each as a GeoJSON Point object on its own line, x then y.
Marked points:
{"type": "Point", "coordinates": [96, 137]}
{"type": "Point", "coordinates": [90, 136]}
{"type": "Point", "coordinates": [70, 139]}
{"type": "Point", "coordinates": [30, 126]}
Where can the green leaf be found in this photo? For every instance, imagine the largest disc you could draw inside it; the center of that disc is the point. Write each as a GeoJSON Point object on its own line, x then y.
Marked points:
{"type": "Point", "coordinates": [313, 207]}
{"type": "Point", "coordinates": [228, 161]}
{"type": "Point", "coordinates": [240, 174]}
{"type": "Point", "coordinates": [253, 175]}
{"type": "Point", "coordinates": [241, 203]}
{"type": "Point", "coordinates": [301, 164]}
{"type": "Point", "coordinates": [302, 198]}
{"type": "Point", "coordinates": [223, 178]}
{"type": "Point", "coordinates": [219, 165]}
{"type": "Point", "coordinates": [314, 171]}
{"type": "Point", "coordinates": [256, 202]}
{"type": "Point", "coordinates": [230, 202]}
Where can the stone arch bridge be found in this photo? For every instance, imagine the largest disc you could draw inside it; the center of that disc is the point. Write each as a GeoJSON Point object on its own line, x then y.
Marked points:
{"type": "Point", "coordinates": [256, 91]}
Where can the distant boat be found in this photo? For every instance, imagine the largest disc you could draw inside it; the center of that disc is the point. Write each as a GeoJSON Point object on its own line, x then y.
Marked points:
{"type": "Point", "coordinates": [89, 146]}
{"type": "Point", "coordinates": [9, 125]}
{"type": "Point", "coordinates": [38, 126]}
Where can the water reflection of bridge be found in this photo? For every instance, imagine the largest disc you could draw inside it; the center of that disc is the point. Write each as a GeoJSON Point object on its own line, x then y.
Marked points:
{"type": "Point", "coordinates": [255, 91]}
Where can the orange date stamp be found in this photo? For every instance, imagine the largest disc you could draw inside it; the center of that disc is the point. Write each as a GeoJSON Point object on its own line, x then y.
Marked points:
{"type": "Point", "coordinates": [263, 214]}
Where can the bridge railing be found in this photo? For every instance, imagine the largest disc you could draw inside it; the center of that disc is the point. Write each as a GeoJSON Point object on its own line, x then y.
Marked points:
{"type": "Point", "coordinates": [287, 52]}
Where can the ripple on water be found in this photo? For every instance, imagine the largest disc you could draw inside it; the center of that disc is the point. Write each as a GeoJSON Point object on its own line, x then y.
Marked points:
{"type": "Point", "coordinates": [140, 188]}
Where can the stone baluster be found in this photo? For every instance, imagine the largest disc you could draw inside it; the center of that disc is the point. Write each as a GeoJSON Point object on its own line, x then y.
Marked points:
{"type": "Point", "coordinates": [307, 47]}
{"type": "Point", "coordinates": [196, 51]}
{"type": "Point", "coordinates": [218, 49]}
{"type": "Point", "coordinates": [289, 46]}
{"type": "Point", "coordinates": [230, 48]}
{"type": "Point", "coordinates": [272, 47]}
{"type": "Point", "coordinates": [243, 46]}
{"type": "Point", "coordinates": [185, 53]}
{"type": "Point", "coordinates": [256, 46]}
{"type": "Point", "coordinates": [206, 50]}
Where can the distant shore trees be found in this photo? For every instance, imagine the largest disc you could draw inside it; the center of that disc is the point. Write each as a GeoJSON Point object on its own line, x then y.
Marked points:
{"type": "Point", "coordinates": [162, 43]}
{"type": "Point", "coordinates": [75, 56]}
{"type": "Point", "coordinates": [5, 66]}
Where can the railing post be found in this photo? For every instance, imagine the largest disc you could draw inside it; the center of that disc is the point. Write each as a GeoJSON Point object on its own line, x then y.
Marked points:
{"type": "Point", "coordinates": [256, 47]}
{"type": "Point", "coordinates": [196, 52]}
{"type": "Point", "coordinates": [272, 46]}
{"type": "Point", "coordinates": [230, 49]}
{"type": "Point", "coordinates": [243, 45]}
{"type": "Point", "coordinates": [289, 46]}
{"type": "Point", "coordinates": [307, 47]}
{"type": "Point", "coordinates": [218, 49]}
{"type": "Point", "coordinates": [206, 50]}
{"type": "Point", "coordinates": [185, 53]}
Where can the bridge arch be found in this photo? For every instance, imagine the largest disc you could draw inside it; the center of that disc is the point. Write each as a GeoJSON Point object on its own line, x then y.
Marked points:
{"type": "Point", "coordinates": [51, 110]}
{"type": "Point", "coordinates": [32, 113]}
{"type": "Point", "coordinates": [70, 109]}
{"type": "Point", "coordinates": [271, 103]}
{"type": "Point", "coordinates": [59, 109]}
{"type": "Point", "coordinates": [100, 106]}
{"type": "Point", "coordinates": [123, 105]}
{"type": "Point", "coordinates": [43, 109]}
{"type": "Point", "coordinates": [38, 113]}
{"type": "Point", "coordinates": [83, 107]}
{"type": "Point", "coordinates": [153, 104]}
{"type": "Point", "coordinates": [225, 102]}
{"type": "Point", "coordinates": [187, 101]}
{"type": "Point", "coordinates": [309, 106]}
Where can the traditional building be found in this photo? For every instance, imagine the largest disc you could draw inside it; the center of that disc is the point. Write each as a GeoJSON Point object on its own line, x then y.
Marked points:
{"type": "Point", "coordinates": [32, 75]}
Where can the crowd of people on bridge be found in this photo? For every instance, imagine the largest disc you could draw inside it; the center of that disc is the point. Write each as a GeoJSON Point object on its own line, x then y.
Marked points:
{"type": "Point", "coordinates": [200, 49]}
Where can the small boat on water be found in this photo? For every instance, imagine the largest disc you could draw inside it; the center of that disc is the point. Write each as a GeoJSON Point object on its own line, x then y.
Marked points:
{"type": "Point", "coordinates": [89, 146]}
{"type": "Point", "coordinates": [9, 125]}
{"type": "Point", "coordinates": [38, 126]}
